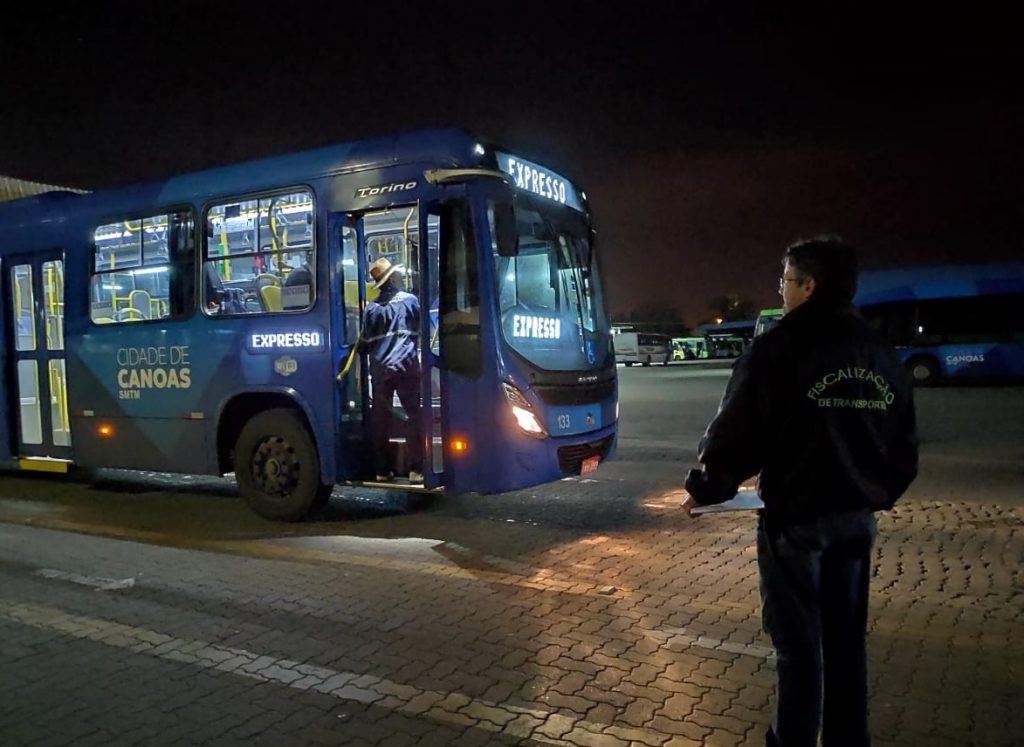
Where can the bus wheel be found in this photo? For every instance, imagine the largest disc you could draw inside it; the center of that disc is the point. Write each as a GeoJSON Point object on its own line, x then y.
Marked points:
{"type": "Point", "coordinates": [923, 370]}
{"type": "Point", "coordinates": [648, 361]}
{"type": "Point", "coordinates": [277, 467]}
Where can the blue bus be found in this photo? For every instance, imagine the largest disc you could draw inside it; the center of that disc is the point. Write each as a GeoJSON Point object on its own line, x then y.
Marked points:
{"type": "Point", "coordinates": [154, 327]}
{"type": "Point", "coordinates": [950, 321]}
{"type": "Point", "coordinates": [727, 339]}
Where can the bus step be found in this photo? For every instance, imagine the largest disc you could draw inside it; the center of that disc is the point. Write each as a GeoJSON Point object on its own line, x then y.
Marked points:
{"type": "Point", "coordinates": [44, 464]}
{"type": "Point", "coordinates": [408, 487]}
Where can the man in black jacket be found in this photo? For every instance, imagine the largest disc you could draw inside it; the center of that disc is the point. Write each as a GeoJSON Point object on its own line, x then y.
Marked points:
{"type": "Point", "coordinates": [821, 409]}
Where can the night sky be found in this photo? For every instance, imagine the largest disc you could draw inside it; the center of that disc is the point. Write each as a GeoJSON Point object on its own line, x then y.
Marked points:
{"type": "Point", "coordinates": [706, 139]}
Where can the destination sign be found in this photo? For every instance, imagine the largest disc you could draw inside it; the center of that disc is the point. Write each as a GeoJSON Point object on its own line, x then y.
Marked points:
{"type": "Point", "coordinates": [539, 181]}
{"type": "Point", "coordinates": [536, 327]}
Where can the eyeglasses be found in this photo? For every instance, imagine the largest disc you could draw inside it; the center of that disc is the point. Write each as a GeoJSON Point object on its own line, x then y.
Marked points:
{"type": "Point", "coordinates": [783, 280]}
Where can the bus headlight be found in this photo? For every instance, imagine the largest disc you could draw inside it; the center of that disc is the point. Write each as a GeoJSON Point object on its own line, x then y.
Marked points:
{"type": "Point", "coordinates": [527, 420]}
{"type": "Point", "coordinates": [522, 410]}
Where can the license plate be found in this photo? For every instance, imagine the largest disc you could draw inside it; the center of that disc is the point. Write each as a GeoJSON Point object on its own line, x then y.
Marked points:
{"type": "Point", "coordinates": [589, 465]}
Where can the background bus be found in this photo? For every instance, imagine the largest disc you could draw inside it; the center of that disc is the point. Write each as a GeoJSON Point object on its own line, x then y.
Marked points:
{"type": "Point", "coordinates": [644, 348]}
{"type": "Point", "coordinates": [727, 339]}
{"type": "Point", "coordinates": [688, 348]}
{"type": "Point", "coordinates": [167, 326]}
{"type": "Point", "coordinates": [950, 321]}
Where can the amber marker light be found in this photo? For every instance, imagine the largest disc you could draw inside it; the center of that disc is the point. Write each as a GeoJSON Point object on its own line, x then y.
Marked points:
{"type": "Point", "coordinates": [105, 430]}
{"type": "Point", "coordinates": [460, 445]}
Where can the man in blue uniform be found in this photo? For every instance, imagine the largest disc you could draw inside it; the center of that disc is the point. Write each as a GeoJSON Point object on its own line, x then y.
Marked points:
{"type": "Point", "coordinates": [821, 408]}
{"type": "Point", "coordinates": [391, 331]}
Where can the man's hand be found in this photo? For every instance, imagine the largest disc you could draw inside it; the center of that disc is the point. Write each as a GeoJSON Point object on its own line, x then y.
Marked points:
{"type": "Point", "coordinates": [689, 503]}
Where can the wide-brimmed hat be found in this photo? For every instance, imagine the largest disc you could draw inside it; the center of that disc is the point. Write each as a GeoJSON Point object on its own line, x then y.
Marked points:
{"type": "Point", "coordinates": [381, 270]}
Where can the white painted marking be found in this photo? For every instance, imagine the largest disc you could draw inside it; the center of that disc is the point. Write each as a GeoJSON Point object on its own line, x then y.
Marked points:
{"type": "Point", "coordinates": [678, 639]}
{"type": "Point", "coordinates": [96, 582]}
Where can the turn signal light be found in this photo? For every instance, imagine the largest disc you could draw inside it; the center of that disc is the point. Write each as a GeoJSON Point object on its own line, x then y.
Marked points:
{"type": "Point", "coordinates": [105, 430]}
{"type": "Point", "coordinates": [460, 445]}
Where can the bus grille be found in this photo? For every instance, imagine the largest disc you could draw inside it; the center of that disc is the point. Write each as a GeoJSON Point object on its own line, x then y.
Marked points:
{"type": "Point", "coordinates": [570, 458]}
{"type": "Point", "coordinates": [577, 394]}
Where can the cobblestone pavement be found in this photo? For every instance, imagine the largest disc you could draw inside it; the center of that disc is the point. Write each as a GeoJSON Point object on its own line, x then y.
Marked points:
{"type": "Point", "coordinates": [652, 639]}
{"type": "Point", "coordinates": [473, 623]}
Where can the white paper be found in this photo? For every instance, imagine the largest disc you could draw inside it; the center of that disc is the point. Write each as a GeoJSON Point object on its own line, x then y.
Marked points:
{"type": "Point", "coordinates": [745, 500]}
{"type": "Point", "coordinates": [295, 296]}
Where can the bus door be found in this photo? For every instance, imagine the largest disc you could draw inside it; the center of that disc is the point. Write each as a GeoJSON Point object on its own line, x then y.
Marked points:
{"type": "Point", "coordinates": [454, 364]}
{"type": "Point", "coordinates": [347, 277]}
{"type": "Point", "coordinates": [34, 293]}
{"type": "Point", "coordinates": [398, 235]}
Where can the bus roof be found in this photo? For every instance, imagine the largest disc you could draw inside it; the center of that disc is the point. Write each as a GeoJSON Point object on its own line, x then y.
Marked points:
{"type": "Point", "coordinates": [939, 281]}
{"type": "Point", "coordinates": [15, 189]}
{"type": "Point", "coordinates": [437, 148]}
{"type": "Point", "coordinates": [727, 328]}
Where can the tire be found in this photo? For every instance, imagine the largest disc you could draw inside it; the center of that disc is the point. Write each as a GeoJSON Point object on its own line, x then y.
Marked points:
{"type": "Point", "coordinates": [648, 361]}
{"type": "Point", "coordinates": [629, 363]}
{"type": "Point", "coordinates": [924, 370]}
{"type": "Point", "coordinates": [277, 466]}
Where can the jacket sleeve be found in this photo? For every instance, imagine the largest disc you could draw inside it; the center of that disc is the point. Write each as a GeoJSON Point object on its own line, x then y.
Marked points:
{"type": "Point", "coordinates": [372, 325]}
{"type": "Point", "coordinates": [730, 449]}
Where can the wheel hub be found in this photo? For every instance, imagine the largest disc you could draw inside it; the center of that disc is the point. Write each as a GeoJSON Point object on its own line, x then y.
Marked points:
{"type": "Point", "coordinates": [275, 467]}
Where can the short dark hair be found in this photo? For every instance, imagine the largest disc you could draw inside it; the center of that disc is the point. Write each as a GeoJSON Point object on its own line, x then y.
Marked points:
{"type": "Point", "coordinates": [831, 261]}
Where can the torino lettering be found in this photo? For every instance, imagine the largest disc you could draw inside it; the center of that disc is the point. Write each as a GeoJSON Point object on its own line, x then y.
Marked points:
{"type": "Point", "coordinates": [383, 189]}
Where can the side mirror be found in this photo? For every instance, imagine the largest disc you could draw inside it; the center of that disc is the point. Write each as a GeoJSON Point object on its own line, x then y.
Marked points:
{"type": "Point", "coordinates": [505, 233]}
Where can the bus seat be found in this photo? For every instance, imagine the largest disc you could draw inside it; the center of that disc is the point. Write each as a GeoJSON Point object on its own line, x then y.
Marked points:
{"type": "Point", "coordinates": [140, 301]}
{"type": "Point", "coordinates": [271, 297]}
{"type": "Point", "coordinates": [265, 278]}
{"type": "Point", "coordinates": [129, 314]}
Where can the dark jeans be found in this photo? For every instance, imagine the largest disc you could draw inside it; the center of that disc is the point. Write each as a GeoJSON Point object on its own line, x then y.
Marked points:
{"type": "Point", "coordinates": [407, 384]}
{"type": "Point", "coordinates": [814, 596]}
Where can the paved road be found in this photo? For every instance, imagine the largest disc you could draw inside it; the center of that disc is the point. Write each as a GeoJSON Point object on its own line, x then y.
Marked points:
{"type": "Point", "coordinates": [157, 611]}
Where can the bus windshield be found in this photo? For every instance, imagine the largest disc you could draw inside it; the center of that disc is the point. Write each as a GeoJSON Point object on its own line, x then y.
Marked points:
{"type": "Point", "coordinates": [549, 293]}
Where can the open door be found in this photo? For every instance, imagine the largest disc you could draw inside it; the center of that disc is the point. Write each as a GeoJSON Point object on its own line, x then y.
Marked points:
{"type": "Point", "coordinates": [453, 361]}
{"type": "Point", "coordinates": [34, 286]}
{"type": "Point", "coordinates": [398, 235]}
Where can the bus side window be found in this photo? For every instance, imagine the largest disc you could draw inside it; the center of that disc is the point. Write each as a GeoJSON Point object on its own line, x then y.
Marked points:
{"type": "Point", "coordinates": [141, 269]}
{"type": "Point", "coordinates": [350, 282]}
{"type": "Point", "coordinates": [259, 255]}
